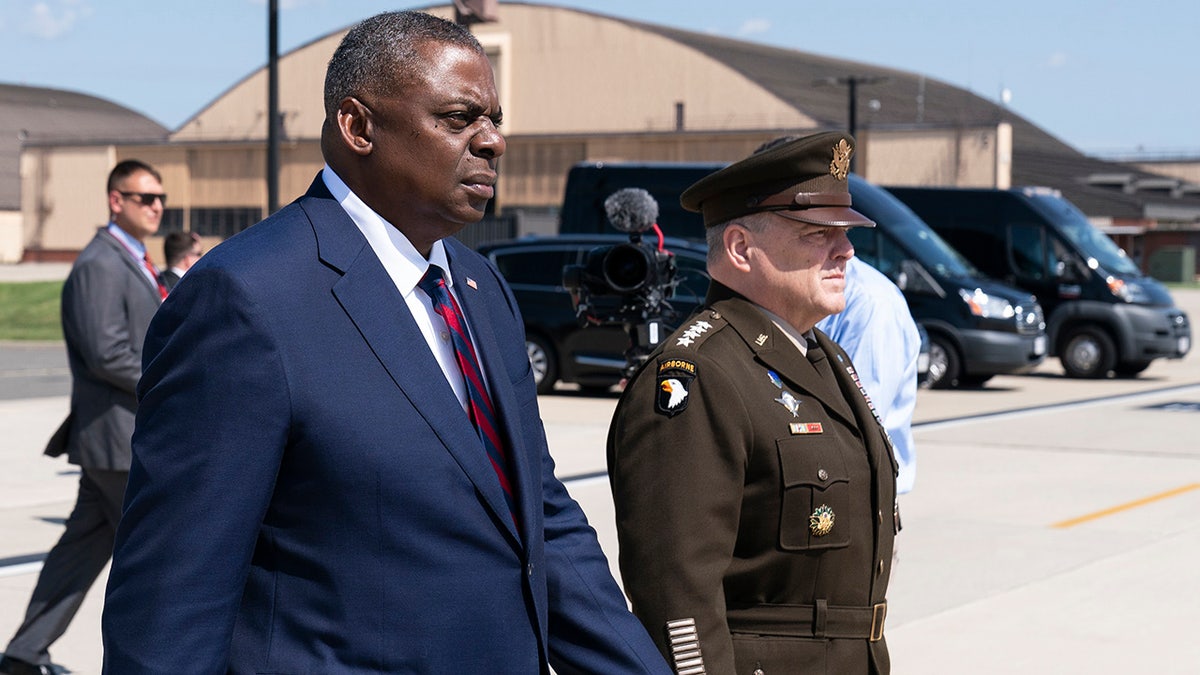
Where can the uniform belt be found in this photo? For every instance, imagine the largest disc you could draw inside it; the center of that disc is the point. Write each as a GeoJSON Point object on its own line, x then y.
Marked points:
{"type": "Point", "coordinates": [821, 620]}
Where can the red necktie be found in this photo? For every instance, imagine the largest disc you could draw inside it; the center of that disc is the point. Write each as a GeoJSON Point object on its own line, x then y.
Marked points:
{"type": "Point", "coordinates": [479, 404]}
{"type": "Point", "coordinates": [162, 290]}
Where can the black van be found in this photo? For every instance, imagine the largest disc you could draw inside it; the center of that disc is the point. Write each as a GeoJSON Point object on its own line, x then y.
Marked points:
{"type": "Point", "coordinates": [1102, 313]}
{"type": "Point", "coordinates": [977, 327]}
{"type": "Point", "coordinates": [590, 183]}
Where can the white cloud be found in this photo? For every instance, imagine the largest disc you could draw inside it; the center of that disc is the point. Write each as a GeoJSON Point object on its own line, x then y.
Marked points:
{"type": "Point", "coordinates": [50, 20]}
{"type": "Point", "coordinates": [754, 27]}
{"type": "Point", "coordinates": [1057, 60]}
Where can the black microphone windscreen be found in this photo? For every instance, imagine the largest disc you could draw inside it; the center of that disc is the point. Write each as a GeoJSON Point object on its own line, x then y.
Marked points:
{"type": "Point", "coordinates": [631, 210]}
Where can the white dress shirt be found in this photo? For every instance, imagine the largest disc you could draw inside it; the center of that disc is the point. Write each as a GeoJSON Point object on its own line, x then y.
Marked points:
{"type": "Point", "coordinates": [406, 266]}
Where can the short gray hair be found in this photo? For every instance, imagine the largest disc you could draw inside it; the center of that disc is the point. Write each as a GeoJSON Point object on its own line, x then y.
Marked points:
{"type": "Point", "coordinates": [715, 235]}
{"type": "Point", "coordinates": [379, 54]}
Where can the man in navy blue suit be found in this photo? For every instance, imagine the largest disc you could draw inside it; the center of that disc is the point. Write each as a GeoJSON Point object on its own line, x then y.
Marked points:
{"type": "Point", "coordinates": [309, 493]}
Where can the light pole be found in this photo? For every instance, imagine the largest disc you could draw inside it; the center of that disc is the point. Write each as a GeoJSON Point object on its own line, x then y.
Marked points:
{"type": "Point", "coordinates": [851, 82]}
{"type": "Point", "coordinates": [272, 106]}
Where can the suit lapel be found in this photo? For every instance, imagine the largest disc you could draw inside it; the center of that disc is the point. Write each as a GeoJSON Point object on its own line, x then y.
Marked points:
{"type": "Point", "coordinates": [378, 311]}
{"type": "Point", "coordinates": [479, 299]}
{"type": "Point", "coordinates": [132, 265]}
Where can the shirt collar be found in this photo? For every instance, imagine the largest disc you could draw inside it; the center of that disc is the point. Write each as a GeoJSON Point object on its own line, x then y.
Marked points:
{"type": "Point", "coordinates": [400, 258]}
{"type": "Point", "coordinates": [136, 247]}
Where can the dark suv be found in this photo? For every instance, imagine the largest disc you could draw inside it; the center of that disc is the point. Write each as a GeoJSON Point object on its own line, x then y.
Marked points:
{"type": "Point", "coordinates": [559, 347]}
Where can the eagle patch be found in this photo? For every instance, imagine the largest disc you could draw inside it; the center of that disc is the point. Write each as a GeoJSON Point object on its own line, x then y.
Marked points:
{"type": "Point", "coordinates": [673, 386]}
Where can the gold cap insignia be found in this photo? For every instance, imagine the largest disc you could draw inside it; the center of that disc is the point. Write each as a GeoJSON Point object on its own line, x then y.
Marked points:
{"type": "Point", "coordinates": [840, 166]}
{"type": "Point", "coordinates": [821, 521]}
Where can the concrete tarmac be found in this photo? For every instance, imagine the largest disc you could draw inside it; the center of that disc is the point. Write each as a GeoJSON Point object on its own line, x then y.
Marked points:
{"type": "Point", "coordinates": [1052, 528]}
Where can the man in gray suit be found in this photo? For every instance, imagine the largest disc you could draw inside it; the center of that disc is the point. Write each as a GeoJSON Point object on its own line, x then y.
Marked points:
{"type": "Point", "coordinates": [108, 300]}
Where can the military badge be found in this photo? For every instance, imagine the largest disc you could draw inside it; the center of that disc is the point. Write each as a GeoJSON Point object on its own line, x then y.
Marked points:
{"type": "Point", "coordinates": [689, 335]}
{"type": "Point", "coordinates": [774, 377]}
{"type": "Point", "coordinates": [863, 390]}
{"type": "Point", "coordinates": [820, 523]}
{"type": "Point", "coordinates": [801, 428]}
{"type": "Point", "coordinates": [675, 377]}
{"type": "Point", "coordinates": [840, 166]}
{"type": "Point", "coordinates": [790, 402]}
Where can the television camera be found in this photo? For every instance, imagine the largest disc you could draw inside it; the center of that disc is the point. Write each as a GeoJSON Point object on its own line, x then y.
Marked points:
{"type": "Point", "coordinates": [627, 284]}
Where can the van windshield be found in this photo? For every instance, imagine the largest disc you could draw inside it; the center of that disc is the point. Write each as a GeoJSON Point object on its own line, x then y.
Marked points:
{"type": "Point", "coordinates": [1088, 240]}
{"type": "Point", "coordinates": [922, 242]}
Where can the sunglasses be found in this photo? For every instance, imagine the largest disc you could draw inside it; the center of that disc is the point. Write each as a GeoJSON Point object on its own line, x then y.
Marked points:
{"type": "Point", "coordinates": [144, 198]}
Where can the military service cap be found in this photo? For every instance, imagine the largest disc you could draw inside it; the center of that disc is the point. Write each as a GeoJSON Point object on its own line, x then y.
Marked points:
{"type": "Point", "coordinates": [803, 179]}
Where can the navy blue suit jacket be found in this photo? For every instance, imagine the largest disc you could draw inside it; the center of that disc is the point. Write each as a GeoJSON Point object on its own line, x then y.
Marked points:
{"type": "Point", "coordinates": [307, 495]}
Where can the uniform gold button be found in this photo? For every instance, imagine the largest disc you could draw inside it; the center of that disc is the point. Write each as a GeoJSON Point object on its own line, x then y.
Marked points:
{"type": "Point", "coordinates": [822, 474]}
{"type": "Point", "coordinates": [759, 671]}
{"type": "Point", "coordinates": [880, 570]}
{"type": "Point", "coordinates": [880, 516]}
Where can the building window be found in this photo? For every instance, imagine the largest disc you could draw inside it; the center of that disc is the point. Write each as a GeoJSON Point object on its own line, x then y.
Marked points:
{"type": "Point", "coordinates": [172, 221]}
{"type": "Point", "coordinates": [224, 223]}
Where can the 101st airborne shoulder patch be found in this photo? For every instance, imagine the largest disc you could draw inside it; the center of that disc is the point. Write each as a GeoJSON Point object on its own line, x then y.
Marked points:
{"type": "Point", "coordinates": [673, 386]}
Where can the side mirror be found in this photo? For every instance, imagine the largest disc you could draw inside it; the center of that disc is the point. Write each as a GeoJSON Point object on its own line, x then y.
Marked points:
{"type": "Point", "coordinates": [913, 277]}
{"type": "Point", "coordinates": [1070, 270]}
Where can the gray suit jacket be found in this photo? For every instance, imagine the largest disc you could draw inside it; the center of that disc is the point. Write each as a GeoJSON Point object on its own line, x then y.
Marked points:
{"type": "Point", "coordinates": [107, 304]}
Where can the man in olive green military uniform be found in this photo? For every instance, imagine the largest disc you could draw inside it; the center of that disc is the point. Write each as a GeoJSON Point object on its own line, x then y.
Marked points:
{"type": "Point", "coordinates": [753, 483]}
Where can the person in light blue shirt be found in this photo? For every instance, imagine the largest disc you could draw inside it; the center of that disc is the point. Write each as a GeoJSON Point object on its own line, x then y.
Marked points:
{"type": "Point", "coordinates": [878, 332]}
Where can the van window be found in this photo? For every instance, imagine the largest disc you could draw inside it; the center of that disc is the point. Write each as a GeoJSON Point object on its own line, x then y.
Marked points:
{"type": "Point", "coordinates": [1028, 250]}
{"type": "Point", "coordinates": [865, 245]}
{"type": "Point", "coordinates": [981, 246]}
{"type": "Point", "coordinates": [540, 268]}
{"type": "Point", "coordinates": [923, 244]}
{"type": "Point", "coordinates": [588, 185]}
{"type": "Point", "coordinates": [1090, 241]}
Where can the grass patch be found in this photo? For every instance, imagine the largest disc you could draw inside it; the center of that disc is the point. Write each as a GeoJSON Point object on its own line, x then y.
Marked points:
{"type": "Point", "coordinates": [29, 310]}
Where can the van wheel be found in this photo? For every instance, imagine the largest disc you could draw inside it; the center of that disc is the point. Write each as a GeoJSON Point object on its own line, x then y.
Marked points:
{"type": "Point", "coordinates": [541, 359]}
{"type": "Point", "coordinates": [1130, 368]}
{"type": "Point", "coordinates": [1087, 352]}
{"type": "Point", "coordinates": [944, 364]}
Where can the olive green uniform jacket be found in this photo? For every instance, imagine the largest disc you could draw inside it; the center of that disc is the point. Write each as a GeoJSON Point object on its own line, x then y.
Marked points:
{"type": "Point", "coordinates": [755, 501]}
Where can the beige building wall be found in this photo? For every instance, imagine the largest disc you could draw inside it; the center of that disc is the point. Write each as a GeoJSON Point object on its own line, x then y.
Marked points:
{"type": "Point", "coordinates": [533, 171]}
{"type": "Point", "coordinates": [63, 199]}
{"type": "Point", "coordinates": [575, 86]}
{"type": "Point", "coordinates": [550, 82]}
{"type": "Point", "coordinates": [11, 236]}
{"type": "Point", "coordinates": [1185, 171]}
{"type": "Point", "coordinates": [971, 157]}
{"type": "Point", "coordinates": [240, 113]}
{"type": "Point", "coordinates": [560, 85]}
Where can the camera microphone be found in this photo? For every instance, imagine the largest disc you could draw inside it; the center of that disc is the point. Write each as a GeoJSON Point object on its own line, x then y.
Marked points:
{"type": "Point", "coordinates": [631, 210]}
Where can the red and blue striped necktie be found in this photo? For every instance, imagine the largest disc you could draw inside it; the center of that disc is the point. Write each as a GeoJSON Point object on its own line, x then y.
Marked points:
{"type": "Point", "coordinates": [479, 404]}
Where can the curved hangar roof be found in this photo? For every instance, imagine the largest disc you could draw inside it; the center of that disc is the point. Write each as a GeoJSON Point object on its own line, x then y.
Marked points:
{"type": "Point", "coordinates": [32, 115]}
{"type": "Point", "coordinates": [567, 71]}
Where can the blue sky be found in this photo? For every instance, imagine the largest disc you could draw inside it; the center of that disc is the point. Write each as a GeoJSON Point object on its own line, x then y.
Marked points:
{"type": "Point", "coordinates": [1106, 77]}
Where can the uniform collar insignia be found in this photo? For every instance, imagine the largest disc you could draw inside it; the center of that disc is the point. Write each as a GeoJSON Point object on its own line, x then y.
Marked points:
{"type": "Point", "coordinates": [693, 331]}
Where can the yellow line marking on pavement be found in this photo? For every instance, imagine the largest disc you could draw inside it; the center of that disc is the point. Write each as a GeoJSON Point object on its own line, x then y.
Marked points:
{"type": "Point", "coordinates": [1126, 506]}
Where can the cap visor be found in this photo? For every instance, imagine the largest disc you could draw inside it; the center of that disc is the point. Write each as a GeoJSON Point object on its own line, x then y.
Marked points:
{"type": "Point", "coordinates": [828, 216]}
